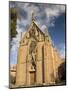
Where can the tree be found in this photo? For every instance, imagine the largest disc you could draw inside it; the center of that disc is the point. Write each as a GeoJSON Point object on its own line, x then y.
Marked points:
{"type": "Point", "coordinates": [62, 72]}
{"type": "Point", "coordinates": [13, 22]}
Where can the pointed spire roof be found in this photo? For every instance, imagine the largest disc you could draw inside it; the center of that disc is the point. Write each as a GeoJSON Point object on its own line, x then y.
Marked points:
{"type": "Point", "coordinates": [33, 24]}
{"type": "Point", "coordinates": [33, 18]}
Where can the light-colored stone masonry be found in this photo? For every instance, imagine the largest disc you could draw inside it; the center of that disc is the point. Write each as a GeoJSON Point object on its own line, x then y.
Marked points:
{"type": "Point", "coordinates": [38, 60]}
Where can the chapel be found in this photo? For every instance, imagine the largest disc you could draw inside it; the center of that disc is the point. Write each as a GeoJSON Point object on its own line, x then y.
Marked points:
{"type": "Point", "coordinates": [38, 60]}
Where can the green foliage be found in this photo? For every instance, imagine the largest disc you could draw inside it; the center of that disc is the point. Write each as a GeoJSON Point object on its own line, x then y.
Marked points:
{"type": "Point", "coordinates": [13, 22]}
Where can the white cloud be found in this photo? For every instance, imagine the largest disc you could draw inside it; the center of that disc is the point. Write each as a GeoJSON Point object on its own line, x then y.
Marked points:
{"type": "Point", "coordinates": [61, 49]}
{"type": "Point", "coordinates": [45, 14]}
{"type": "Point", "coordinates": [53, 12]}
{"type": "Point", "coordinates": [44, 29]}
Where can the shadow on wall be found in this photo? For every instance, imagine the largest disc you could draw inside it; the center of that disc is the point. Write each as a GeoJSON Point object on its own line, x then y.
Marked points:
{"type": "Point", "coordinates": [12, 79]}
{"type": "Point", "coordinates": [61, 73]}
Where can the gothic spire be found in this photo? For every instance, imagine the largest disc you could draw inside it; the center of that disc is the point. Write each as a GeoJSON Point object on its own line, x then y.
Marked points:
{"type": "Point", "coordinates": [33, 18]}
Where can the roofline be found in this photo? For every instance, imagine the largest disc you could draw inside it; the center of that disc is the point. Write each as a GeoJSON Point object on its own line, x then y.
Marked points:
{"type": "Point", "coordinates": [29, 29]}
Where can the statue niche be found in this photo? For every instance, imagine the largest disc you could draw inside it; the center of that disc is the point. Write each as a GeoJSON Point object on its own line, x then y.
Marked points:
{"type": "Point", "coordinates": [32, 53]}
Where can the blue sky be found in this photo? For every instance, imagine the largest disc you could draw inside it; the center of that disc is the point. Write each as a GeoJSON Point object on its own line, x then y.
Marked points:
{"type": "Point", "coordinates": [47, 16]}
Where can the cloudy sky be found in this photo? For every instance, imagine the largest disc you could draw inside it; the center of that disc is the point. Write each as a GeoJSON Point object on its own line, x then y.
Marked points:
{"type": "Point", "coordinates": [46, 15]}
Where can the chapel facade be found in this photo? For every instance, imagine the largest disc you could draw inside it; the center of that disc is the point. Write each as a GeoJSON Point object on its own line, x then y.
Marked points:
{"type": "Point", "coordinates": [38, 60]}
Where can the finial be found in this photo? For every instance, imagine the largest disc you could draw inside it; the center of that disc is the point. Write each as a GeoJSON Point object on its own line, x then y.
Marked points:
{"type": "Point", "coordinates": [33, 18]}
{"type": "Point", "coordinates": [21, 35]}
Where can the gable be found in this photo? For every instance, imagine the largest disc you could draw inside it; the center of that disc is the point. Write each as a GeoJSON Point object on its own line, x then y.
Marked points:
{"type": "Point", "coordinates": [33, 32]}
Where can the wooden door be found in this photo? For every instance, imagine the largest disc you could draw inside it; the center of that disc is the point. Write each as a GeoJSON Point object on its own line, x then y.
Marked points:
{"type": "Point", "coordinates": [32, 78]}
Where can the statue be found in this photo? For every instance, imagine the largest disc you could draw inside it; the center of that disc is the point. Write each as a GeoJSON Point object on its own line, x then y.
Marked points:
{"type": "Point", "coordinates": [32, 53]}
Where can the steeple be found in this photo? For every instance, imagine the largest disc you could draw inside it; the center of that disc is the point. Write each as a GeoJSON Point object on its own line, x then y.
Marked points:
{"type": "Point", "coordinates": [33, 18]}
